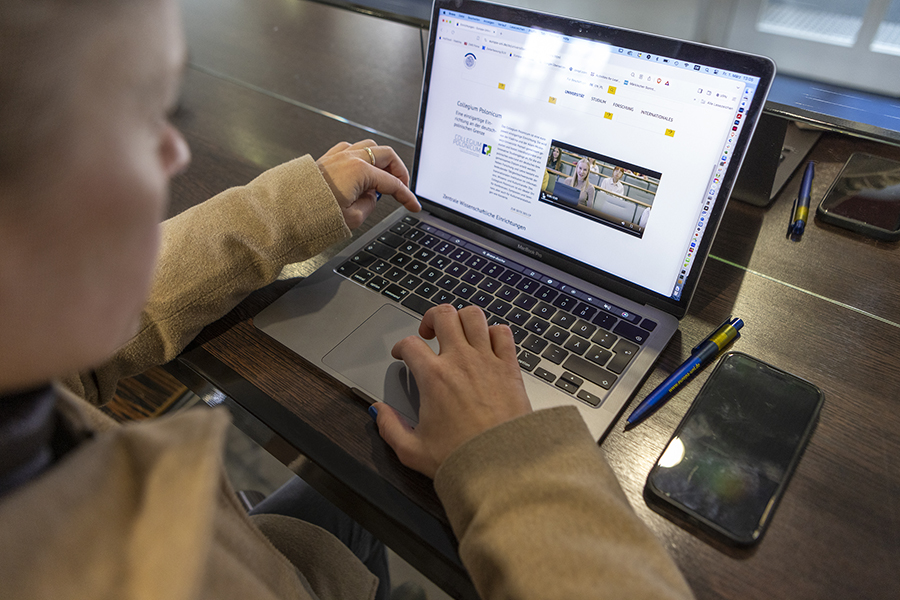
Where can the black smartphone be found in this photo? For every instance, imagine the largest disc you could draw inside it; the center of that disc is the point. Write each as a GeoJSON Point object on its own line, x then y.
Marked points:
{"type": "Point", "coordinates": [865, 197]}
{"type": "Point", "coordinates": [730, 459]}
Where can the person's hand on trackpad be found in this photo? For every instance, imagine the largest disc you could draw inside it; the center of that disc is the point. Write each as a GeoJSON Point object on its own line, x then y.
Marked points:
{"type": "Point", "coordinates": [473, 384]}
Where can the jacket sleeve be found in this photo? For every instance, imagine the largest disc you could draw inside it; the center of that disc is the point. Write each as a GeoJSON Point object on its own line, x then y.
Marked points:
{"type": "Point", "coordinates": [215, 254]}
{"type": "Point", "coordinates": [539, 514]}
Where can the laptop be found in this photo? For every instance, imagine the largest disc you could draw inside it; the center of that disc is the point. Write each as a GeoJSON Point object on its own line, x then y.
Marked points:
{"type": "Point", "coordinates": [565, 193]}
{"type": "Point", "coordinates": [592, 301]}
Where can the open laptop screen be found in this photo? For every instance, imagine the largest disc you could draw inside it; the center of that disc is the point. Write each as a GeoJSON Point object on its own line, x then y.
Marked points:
{"type": "Point", "coordinates": [643, 136]}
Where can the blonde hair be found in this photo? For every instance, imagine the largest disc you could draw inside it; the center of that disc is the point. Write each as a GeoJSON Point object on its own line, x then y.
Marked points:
{"type": "Point", "coordinates": [587, 177]}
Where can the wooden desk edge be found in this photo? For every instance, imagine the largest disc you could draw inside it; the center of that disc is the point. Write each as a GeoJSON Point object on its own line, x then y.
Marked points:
{"type": "Point", "coordinates": [415, 535]}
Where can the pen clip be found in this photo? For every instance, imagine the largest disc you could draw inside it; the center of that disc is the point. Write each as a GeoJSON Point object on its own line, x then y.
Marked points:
{"type": "Point", "coordinates": [792, 221]}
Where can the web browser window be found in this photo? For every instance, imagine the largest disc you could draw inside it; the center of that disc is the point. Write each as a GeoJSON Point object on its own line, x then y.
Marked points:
{"type": "Point", "coordinates": [578, 145]}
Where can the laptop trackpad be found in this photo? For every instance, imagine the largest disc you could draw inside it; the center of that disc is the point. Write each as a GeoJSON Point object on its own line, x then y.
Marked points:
{"type": "Point", "coordinates": [364, 357]}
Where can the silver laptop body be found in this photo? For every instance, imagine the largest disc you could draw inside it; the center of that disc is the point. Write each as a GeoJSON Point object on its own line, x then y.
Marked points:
{"type": "Point", "coordinates": [512, 102]}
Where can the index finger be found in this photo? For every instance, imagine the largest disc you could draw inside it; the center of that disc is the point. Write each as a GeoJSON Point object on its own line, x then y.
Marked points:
{"type": "Point", "coordinates": [386, 183]}
{"type": "Point", "coordinates": [467, 325]}
{"type": "Point", "coordinates": [444, 323]}
{"type": "Point", "coordinates": [414, 352]}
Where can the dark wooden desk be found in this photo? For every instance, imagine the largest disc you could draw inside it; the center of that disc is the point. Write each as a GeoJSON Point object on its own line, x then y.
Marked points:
{"type": "Point", "coordinates": [265, 83]}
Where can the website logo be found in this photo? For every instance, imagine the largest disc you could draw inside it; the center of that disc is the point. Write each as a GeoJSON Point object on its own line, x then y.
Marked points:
{"type": "Point", "coordinates": [468, 145]}
{"type": "Point", "coordinates": [470, 61]}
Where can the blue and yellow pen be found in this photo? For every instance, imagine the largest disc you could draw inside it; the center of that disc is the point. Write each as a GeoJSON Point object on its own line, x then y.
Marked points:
{"type": "Point", "coordinates": [800, 212]}
{"type": "Point", "coordinates": [703, 354]}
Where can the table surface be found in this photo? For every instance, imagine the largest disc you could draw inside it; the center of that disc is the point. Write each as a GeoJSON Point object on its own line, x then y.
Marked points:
{"type": "Point", "coordinates": [269, 80]}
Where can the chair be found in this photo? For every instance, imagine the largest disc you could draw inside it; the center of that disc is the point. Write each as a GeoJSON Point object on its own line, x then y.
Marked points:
{"type": "Point", "coordinates": [617, 208]}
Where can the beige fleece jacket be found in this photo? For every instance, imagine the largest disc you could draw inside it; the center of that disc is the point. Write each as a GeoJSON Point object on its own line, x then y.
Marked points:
{"type": "Point", "coordinates": [144, 511]}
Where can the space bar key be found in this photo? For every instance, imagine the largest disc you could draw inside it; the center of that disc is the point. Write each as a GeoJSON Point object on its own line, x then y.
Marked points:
{"type": "Point", "coordinates": [590, 371]}
{"type": "Point", "coordinates": [417, 303]}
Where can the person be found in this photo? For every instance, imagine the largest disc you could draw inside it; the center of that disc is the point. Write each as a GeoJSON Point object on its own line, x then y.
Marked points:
{"type": "Point", "coordinates": [645, 216]}
{"type": "Point", "coordinates": [613, 183]}
{"type": "Point", "coordinates": [554, 162]}
{"type": "Point", "coordinates": [91, 284]}
{"type": "Point", "coordinates": [554, 159]}
{"type": "Point", "coordinates": [579, 180]}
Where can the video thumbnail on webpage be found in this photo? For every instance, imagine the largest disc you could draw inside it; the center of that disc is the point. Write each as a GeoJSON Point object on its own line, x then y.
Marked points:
{"type": "Point", "coordinates": [600, 188]}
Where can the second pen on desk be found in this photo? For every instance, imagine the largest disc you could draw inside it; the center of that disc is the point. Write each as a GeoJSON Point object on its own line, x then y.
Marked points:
{"type": "Point", "coordinates": [800, 211]}
{"type": "Point", "coordinates": [703, 354]}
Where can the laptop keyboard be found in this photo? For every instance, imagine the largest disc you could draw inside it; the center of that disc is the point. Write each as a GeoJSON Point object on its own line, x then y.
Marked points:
{"type": "Point", "coordinates": [563, 335]}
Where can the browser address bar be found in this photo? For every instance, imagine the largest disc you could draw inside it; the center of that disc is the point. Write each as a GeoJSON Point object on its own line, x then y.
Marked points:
{"type": "Point", "coordinates": [505, 44]}
{"type": "Point", "coordinates": [477, 28]}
